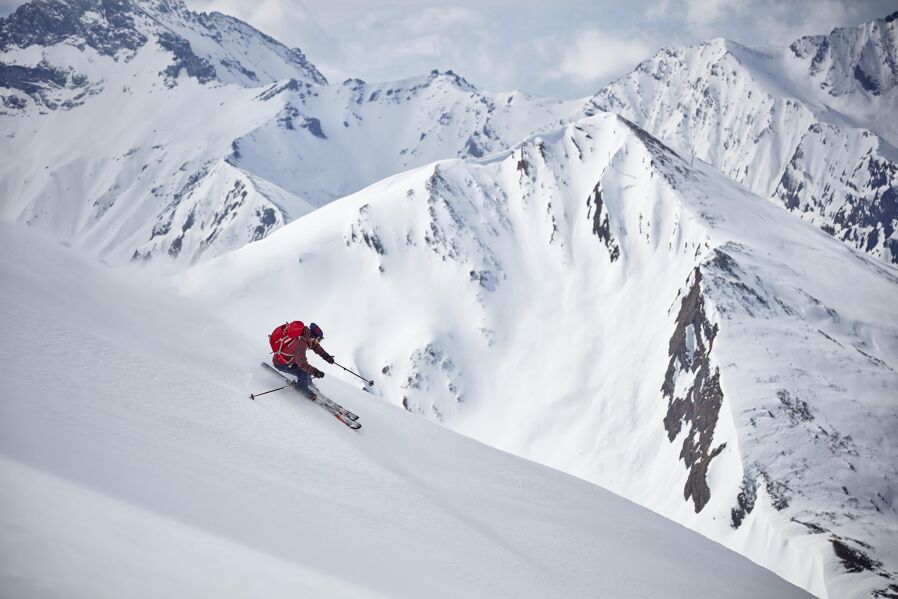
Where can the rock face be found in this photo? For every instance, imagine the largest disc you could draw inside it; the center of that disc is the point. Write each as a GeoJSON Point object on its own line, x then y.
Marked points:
{"type": "Point", "coordinates": [107, 26]}
{"type": "Point", "coordinates": [696, 401]}
{"type": "Point", "coordinates": [810, 126]}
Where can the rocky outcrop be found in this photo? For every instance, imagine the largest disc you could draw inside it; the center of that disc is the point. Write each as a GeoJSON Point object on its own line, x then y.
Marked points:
{"type": "Point", "coordinates": [692, 390]}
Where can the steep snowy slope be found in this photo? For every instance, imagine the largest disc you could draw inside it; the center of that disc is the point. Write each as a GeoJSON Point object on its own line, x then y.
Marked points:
{"type": "Point", "coordinates": [811, 126]}
{"type": "Point", "coordinates": [138, 128]}
{"type": "Point", "coordinates": [134, 464]}
{"type": "Point", "coordinates": [118, 120]}
{"type": "Point", "coordinates": [589, 301]}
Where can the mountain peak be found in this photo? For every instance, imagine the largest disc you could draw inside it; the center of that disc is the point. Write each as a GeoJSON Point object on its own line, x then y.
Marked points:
{"type": "Point", "coordinates": [206, 46]}
{"type": "Point", "coordinates": [849, 60]}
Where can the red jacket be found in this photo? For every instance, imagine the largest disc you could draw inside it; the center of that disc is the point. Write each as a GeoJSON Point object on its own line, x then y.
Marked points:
{"type": "Point", "coordinates": [298, 348]}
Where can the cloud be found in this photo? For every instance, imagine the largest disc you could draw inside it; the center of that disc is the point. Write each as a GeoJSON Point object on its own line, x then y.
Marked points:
{"type": "Point", "coordinates": [595, 56]}
{"type": "Point", "coordinates": [704, 12]}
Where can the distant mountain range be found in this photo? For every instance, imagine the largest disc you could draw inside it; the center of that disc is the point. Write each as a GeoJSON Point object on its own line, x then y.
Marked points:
{"type": "Point", "coordinates": [813, 127]}
{"type": "Point", "coordinates": [247, 135]}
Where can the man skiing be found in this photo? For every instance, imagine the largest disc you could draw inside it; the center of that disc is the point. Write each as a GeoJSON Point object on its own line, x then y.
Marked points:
{"type": "Point", "coordinates": [290, 342]}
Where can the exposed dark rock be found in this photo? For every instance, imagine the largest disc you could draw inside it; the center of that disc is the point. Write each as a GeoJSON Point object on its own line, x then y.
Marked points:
{"type": "Point", "coordinates": [14, 102]}
{"type": "Point", "coordinates": [734, 295]}
{"type": "Point", "coordinates": [236, 66]}
{"type": "Point", "coordinates": [698, 406]}
{"type": "Point", "coordinates": [866, 81]}
{"type": "Point", "coordinates": [814, 528]}
{"type": "Point", "coordinates": [49, 22]}
{"type": "Point", "coordinates": [854, 560]}
{"type": "Point", "coordinates": [267, 220]}
{"type": "Point", "coordinates": [889, 592]}
{"type": "Point", "coordinates": [472, 148]}
{"type": "Point", "coordinates": [313, 126]}
{"type": "Point", "coordinates": [485, 279]}
{"type": "Point", "coordinates": [285, 118]}
{"type": "Point", "coordinates": [877, 215]}
{"type": "Point", "coordinates": [523, 166]}
{"type": "Point", "coordinates": [361, 231]}
{"type": "Point", "coordinates": [436, 237]}
{"type": "Point", "coordinates": [274, 90]}
{"type": "Point", "coordinates": [31, 80]}
{"type": "Point", "coordinates": [745, 500]}
{"type": "Point", "coordinates": [601, 224]}
{"type": "Point", "coordinates": [164, 222]}
{"type": "Point", "coordinates": [778, 490]}
{"type": "Point", "coordinates": [185, 59]}
{"type": "Point", "coordinates": [797, 410]}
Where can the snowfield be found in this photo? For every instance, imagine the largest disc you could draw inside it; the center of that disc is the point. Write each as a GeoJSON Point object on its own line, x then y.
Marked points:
{"type": "Point", "coordinates": [133, 463]}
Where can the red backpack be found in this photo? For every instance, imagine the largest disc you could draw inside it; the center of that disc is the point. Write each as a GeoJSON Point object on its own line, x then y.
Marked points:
{"type": "Point", "coordinates": [282, 337]}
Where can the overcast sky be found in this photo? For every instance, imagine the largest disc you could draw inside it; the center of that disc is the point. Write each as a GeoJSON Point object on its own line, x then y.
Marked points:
{"type": "Point", "coordinates": [561, 48]}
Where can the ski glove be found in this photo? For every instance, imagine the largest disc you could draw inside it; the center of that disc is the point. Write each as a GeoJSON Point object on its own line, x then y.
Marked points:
{"type": "Point", "coordinates": [329, 359]}
{"type": "Point", "coordinates": [318, 374]}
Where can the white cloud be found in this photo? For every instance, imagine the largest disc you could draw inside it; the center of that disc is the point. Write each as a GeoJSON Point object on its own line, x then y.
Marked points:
{"type": "Point", "coordinates": [703, 12]}
{"type": "Point", "coordinates": [594, 56]}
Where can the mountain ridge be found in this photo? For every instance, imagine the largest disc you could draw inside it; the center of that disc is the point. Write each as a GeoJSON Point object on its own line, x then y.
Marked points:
{"type": "Point", "coordinates": [823, 150]}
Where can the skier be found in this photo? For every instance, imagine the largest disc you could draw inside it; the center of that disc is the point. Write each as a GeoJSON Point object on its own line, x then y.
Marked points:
{"type": "Point", "coordinates": [290, 342]}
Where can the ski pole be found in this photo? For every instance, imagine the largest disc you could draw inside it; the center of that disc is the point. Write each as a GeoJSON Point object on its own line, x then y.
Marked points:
{"type": "Point", "coordinates": [356, 374]}
{"type": "Point", "coordinates": [253, 396]}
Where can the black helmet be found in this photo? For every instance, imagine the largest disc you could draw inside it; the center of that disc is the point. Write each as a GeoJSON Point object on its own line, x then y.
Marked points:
{"type": "Point", "coordinates": [316, 331]}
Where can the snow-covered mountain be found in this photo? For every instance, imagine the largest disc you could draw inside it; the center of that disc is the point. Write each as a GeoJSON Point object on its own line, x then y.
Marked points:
{"type": "Point", "coordinates": [587, 298]}
{"type": "Point", "coordinates": [215, 134]}
{"type": "Point", "coordinates": [138, 467]}
{"type": "Point", "coordinates": [812, 126]}
{"type": "Point", "coordinates": [138, 128]}
{"type": "Point", "coordinates": [589, 301]}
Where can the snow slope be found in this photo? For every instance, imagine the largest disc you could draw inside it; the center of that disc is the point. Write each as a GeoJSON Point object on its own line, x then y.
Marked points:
{"type": "Point", "coordinates": [134, 464]}
{"type": "Point", "coordinates": [589, 301]}
{"type": "Point", "coordinates": [811, 126]}
{"type": "Point", "coordinates": [118, 118]}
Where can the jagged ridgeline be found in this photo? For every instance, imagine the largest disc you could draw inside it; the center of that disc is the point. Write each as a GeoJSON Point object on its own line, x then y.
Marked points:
{"type": "Point", "coordinates": [300, 143]}
{"type": "Point", "coordinates": [820, 143]}
{"type": "Point", "coordinates": [168, 133]}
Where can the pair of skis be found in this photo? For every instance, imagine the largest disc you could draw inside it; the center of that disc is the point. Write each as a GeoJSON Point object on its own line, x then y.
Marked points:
{"type": "Point", "coordinates": [339, 412]}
